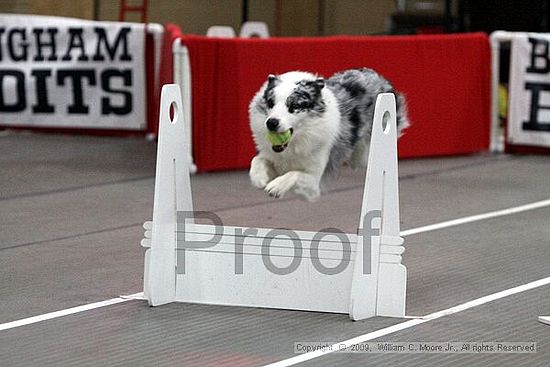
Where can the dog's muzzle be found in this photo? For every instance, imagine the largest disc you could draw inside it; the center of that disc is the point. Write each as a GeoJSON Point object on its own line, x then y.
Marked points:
{"type": "Point", "coordinates": [279, 148]}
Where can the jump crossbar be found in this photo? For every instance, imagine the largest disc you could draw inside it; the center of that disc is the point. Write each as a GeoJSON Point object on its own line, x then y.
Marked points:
{"type": "Point", "coordinates": [358, 274]}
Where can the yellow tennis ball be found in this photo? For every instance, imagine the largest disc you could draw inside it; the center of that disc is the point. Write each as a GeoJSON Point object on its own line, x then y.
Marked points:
{"type": "Point", "coordinates": [279, 138]}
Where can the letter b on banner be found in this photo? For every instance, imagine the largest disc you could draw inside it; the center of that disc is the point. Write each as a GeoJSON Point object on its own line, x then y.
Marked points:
{"type": "Point", "coordinates": [540, 63]}
{"type": "Point", "coordinates": [529, 103]}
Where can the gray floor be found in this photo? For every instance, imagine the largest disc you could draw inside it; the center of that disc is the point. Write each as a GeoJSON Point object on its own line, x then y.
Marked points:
{"type": "Point", "coordinates": [71, 210]}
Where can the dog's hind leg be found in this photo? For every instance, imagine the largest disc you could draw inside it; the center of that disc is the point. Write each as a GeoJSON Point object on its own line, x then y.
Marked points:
{"type": "Point", "coordinates": [304, 184]}
{"type": "Point", "coordinates": [360, 156]}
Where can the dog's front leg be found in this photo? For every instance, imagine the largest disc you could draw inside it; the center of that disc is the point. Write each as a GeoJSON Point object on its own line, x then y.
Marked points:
{"type": "Point", "coordinates": [261, 172]}
{"type": "Point", "coordinates": [304, 184]}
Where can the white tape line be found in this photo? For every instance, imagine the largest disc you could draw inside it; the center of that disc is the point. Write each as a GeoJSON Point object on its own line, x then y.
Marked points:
{"type": "Point", "coordinates": [408, 232]}
{"type": "Point", "coordinates": [408, 324]}
{"type": "Point", "coordinates": [478, 217]}
{"type": "Point", "coordinates": [66, 312]}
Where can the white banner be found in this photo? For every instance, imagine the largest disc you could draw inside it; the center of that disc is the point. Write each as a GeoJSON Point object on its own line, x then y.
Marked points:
{"type": "Point", "coordinates": [529, 112]}
{"type": "Point", "coordinates": [72, 73]}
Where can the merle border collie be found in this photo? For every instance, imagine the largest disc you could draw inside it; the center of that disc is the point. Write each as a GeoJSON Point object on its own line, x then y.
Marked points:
{"type": "Point", "coordinates": [330, 122]}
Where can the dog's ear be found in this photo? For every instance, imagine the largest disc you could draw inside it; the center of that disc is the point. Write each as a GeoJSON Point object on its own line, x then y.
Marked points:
{"type": "Point", "coordinates": [271, 79]}
{"type": "Point", "coordinates": [320, 83]}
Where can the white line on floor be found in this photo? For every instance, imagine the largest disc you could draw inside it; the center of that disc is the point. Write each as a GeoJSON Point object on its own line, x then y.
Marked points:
{"type": "Point", "coordinates": [408, 324]}
{"type": "Point", "coordinates": [408, 232]}
{"type": "Point", "coordinates": [68, 311]}
{"type": "Point", "coordinates": [478, 217]}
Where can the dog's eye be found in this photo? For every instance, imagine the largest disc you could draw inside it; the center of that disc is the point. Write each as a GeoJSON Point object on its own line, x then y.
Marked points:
{"type": "Point", "coordinates": [298, 106]}
{"type": "Point", "coordinates": [270, 103]}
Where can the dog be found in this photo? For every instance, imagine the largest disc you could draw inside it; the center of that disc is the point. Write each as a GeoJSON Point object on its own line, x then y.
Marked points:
{"type": "Point", "coordinates": [330, 123]}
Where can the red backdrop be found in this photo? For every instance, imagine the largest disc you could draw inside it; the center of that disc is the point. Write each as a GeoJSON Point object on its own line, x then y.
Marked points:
{"type": "Point", "coordinates": [445, 78]}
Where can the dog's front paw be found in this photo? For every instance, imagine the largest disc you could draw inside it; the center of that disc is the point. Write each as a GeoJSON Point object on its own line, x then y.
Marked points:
{"type": "Point", "coordinates": [259, 173]}
{"type": "Point", "coordinates": [280, 185]}
{"type": "Point", "coordinates": [309, 194]}
{"type": "Point", "coordinates": [259, 179]}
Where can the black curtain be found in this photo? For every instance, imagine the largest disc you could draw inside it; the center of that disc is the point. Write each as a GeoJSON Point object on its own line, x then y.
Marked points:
{"type": "Point", "coordinates": [508, 15]}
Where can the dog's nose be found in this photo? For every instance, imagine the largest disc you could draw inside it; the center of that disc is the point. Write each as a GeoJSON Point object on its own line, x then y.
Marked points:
{"type": "Point", "coordinates": [272, 124]}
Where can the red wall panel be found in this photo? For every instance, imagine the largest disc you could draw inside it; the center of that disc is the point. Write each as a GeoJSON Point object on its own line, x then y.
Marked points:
{"type": "Point", "coordinates": [445, 78]}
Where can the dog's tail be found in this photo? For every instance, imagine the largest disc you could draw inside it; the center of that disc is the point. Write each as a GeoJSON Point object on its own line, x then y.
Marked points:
{"type": "Point", "coordinates": [401, 110]}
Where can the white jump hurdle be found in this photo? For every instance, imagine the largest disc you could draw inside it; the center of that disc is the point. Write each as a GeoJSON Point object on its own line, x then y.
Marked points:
{"type": "Point", "coordinates": [358, 274]}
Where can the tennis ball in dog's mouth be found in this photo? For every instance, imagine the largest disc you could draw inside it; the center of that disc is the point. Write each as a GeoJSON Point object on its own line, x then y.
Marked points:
{"type": "Point", "coordinates": [278, 139]}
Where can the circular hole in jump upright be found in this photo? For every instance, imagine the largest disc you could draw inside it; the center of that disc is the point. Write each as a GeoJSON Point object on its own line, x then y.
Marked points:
{"type": "Point", "coordinates": [173, 112]}
{"type": "Point", "coordinates": [386, 127]}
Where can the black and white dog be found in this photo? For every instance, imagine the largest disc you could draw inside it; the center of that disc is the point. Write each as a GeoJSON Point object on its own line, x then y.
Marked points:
{"type": "Point", "coordinates": [330, 122]}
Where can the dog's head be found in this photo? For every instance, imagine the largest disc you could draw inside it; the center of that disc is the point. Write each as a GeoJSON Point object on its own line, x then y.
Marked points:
{"type": "Point", "coordinates": [290, 102]}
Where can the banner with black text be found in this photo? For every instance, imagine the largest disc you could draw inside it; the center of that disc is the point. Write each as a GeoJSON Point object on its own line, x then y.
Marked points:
{"type": "Point", "coordinates": [72, 73]}
{"type": "Point", "coordinates": [529, 111]}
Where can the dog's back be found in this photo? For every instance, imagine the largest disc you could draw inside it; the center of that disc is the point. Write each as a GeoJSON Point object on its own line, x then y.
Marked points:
{"type": "Point", "coordinates": [356, 91]}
